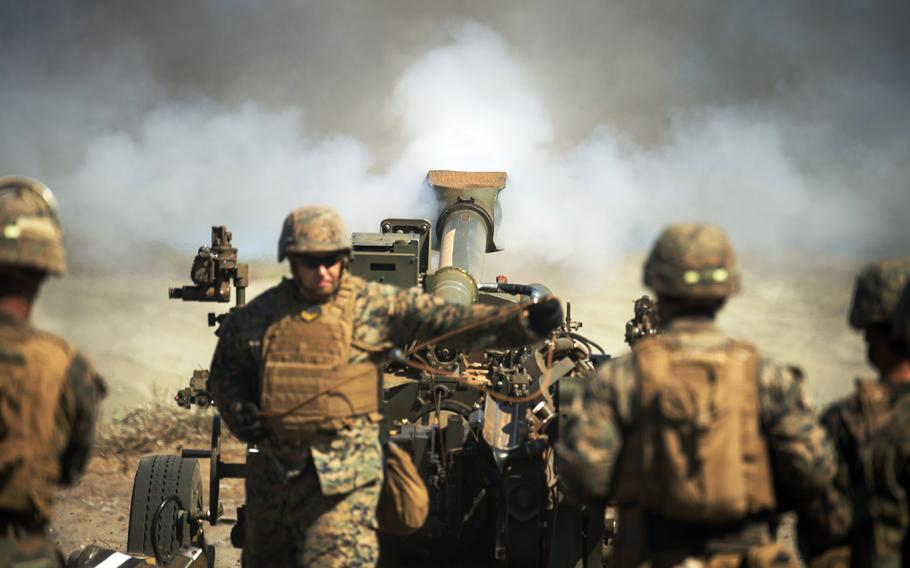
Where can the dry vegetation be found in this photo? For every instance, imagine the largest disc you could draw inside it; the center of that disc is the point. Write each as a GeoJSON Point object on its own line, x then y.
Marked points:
{"type": "Point", "coordinates": [152, 427]}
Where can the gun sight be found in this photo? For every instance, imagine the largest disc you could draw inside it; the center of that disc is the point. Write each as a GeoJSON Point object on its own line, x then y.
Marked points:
{"type": "Point", "coordinates": [214, 270]}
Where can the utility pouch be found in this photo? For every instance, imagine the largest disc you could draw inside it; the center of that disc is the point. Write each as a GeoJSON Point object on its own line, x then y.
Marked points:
{"type": "Point", "coordinates": [403, 502]}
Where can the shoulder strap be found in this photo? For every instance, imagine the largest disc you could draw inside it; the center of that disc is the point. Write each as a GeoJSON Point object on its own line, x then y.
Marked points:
{"type": "Point", "coordinates": [651, 356]}
{"type": "Point", "coordinates": [352, 287]}
{"type": "Point", "coordinates": [342, 305]}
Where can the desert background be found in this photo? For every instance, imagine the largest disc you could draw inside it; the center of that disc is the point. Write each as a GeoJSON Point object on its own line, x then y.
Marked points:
{"type": "Point", "coordinates": [785, 124]}
{"type": "Point", "coordinates": [146, 346]}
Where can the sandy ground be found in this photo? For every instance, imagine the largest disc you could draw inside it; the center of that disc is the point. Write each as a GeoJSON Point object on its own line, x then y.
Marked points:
{"type": "Point", "coordinates": [145, 345]}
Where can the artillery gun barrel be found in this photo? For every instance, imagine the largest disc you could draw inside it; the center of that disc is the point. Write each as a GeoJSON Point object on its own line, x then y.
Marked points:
{"type": "Point", "coordinates": [465, 227]}
{"type": "Point", "coordinates": [464, 241]}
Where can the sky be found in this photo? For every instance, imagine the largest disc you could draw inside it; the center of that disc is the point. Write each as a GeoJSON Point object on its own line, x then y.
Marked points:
{"type": "Point", "coordinates": [784, 123]}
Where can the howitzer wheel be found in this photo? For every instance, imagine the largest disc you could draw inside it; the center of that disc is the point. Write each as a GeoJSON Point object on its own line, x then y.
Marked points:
{"type": "Point", "coordinates": [159, 477]}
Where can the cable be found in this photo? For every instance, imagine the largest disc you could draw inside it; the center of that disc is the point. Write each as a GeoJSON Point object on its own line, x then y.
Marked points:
{"type": "Point", "coordinates": [587, 342]}
{"type": "Point", "coordinates": [503, 314]}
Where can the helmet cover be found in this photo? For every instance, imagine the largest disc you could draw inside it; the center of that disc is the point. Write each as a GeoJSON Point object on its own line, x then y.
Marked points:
{"type": "Point", "coordinates": [313, 229]}
{"type": "Point", "coordinates": [30, 231]}
{"type": "Point", "coordinates": [692, 260]}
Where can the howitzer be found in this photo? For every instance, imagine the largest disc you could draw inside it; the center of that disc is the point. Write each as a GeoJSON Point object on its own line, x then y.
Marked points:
{"type": "Point", "coordinates": [479, 425]}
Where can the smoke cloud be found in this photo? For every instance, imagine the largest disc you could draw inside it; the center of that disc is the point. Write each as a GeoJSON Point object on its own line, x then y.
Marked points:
{"type": "Point", "coordinates": [787, 125]}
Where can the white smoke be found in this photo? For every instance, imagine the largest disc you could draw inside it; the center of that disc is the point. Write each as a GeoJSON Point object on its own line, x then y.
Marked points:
{"type": "Point", "coordinates": [153, 121]}
{"type": "Point", "coordinates": [192, 166]}
{"type": "Point", "coordinates": [160, 169]}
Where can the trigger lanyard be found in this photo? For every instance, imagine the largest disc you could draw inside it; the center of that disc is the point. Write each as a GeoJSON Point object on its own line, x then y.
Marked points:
{"type": "Point", "coordinates": [415, 361]}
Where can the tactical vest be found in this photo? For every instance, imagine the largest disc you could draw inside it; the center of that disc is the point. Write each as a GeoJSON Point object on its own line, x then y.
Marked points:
{"type": "Point", "coordinates": [697, 453]}
{"type": "Point", "coordinates": [307, 383]}
{"type": "Point", "coordinates": [33, 373]}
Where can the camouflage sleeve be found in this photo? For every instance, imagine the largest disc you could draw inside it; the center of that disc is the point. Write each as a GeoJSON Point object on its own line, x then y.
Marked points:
{"type": "Point", "coordinates": [835, 420]}
{"type": "Point", "coordinates": [80, 402]}
{"type": "Point", "coordinates": [890, 501]}
{"type": "Point", "coordinates": [589, 444]}
{"type": "Point", "coordinates": [802, 456]}
{"type": "Point", "coordinates": [826, 520]}
{"type": "Point", "coordinates": [415, 315]}
{"type": "Point", "coordinates": [234, 372]}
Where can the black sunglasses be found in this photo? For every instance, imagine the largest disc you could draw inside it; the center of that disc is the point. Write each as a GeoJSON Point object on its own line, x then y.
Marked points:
{"type": "Point", "coordinates": [314, 262]}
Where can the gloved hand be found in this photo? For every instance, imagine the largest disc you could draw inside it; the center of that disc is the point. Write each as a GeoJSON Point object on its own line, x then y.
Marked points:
{"type": "Point", "coordinates": [545, 316]}
{"type": "Point", "coordinates": [245, 418]}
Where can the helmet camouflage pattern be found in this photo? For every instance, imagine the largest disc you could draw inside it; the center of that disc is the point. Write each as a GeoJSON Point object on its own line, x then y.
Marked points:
{"type": "Point", "coordinates": [901, 324]}
{"type": "Point", "coordinates": [692, 260]}
{"type": "Point", "coordinates": [878, 286]}
{"type": "Point", "coordinates": [31, 233]}
{"type": "Point", "coordinates": [313, 229]}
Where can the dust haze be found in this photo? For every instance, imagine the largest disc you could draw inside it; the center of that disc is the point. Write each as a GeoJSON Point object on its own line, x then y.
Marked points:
{"type": "Point", "coordinates": [785, 124]}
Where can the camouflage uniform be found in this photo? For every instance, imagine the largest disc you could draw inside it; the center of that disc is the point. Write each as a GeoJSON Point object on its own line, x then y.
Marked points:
{"type": "Point", "coordinates": [604, 435]}
{"type": "Point", "coordinates": [841, 520]}
{"type": "Point", "coordinates": [889, 503]}
{"type": "Point", "coordinates": [886, 508]}
{"type": "Point", "coordinates": [49, 394]}
{"type": "Point", "coordinates": [315, 504]}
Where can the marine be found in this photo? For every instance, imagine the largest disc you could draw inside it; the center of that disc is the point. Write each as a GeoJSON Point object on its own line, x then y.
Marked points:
{"type": "Point", "coordinates": [698, 439]}
{"type": "Point", "coordinates": [840, 521]}
{"type": "Point", "coordinates": [295, 372]}
{"type": "Point", "coordinates": [49, 393]}
{"type": "Point", "coordinates": [889, 501]}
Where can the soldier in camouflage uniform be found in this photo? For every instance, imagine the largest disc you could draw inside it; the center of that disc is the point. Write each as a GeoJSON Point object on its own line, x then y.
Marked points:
{"type": "Point", "coordinates": [841, 521]}
{"type": "Point", "coordinates": [697, 439]}
{"type": "Point", "coordinates": [49, 394]}
{"type": "Point", "coordinates": [889, 501]}
{"type": "Point", "coordinates": [295, 372]}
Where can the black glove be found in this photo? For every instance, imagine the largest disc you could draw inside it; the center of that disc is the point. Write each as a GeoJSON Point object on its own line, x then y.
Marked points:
{"type": "Point", "coordinates": [545, 316]}
{"type": "Point", "coordinates": [245, 418]}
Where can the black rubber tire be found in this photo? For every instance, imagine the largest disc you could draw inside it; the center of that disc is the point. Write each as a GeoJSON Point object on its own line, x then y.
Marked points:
{"type": "Point", "coordinates": [157, 478]}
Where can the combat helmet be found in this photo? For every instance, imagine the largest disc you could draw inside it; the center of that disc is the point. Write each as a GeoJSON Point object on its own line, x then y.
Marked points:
{"type": "Point", "coordinates": [31, 233]}
{"type": "Point", "coordinates": [878, 287]}
{"type": "Point", "coordinates": [692, 260]}
{"type": "Point", "coordinates": [313, 229]}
